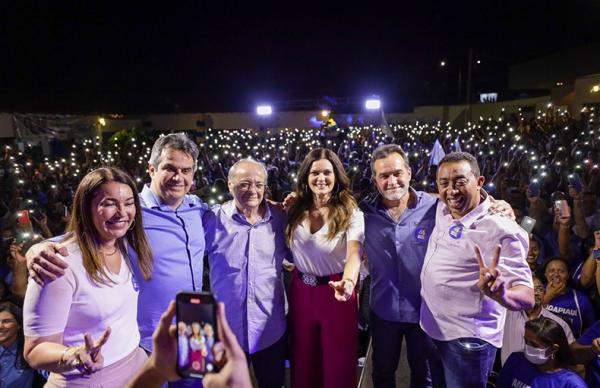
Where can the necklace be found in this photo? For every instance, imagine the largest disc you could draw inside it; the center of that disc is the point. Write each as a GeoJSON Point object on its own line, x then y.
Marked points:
{"type": "Point", "coordinates": [109, 254]}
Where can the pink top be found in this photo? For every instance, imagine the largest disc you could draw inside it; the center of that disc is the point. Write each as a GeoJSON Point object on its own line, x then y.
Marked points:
{"type": "Point", "coordinates": [73, 305]}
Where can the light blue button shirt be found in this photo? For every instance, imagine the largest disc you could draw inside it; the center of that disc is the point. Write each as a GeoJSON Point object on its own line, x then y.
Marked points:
{"type": "Point", "coordinates": [246, 272]}
{"type": "Point", "coordinates": [10, 376]}
{"type": "Point", "coordinates": [396, 251]}
{"type": "Point", "coordinates": [177, 241]}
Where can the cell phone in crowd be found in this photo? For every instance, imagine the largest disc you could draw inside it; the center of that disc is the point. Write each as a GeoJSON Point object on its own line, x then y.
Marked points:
{"type": "Point", "coordinates": [563, 208]}
{"type": "Point", "coordinates": [23, 218]}
{"type": "Point", "coordinates": [575, 182]}
{"type": "Point", "coordinates": [527, 224]}
{"type": "Point", "coordinates": [197, 333]}
{"type": "Point", "coordinates": [534, 189]}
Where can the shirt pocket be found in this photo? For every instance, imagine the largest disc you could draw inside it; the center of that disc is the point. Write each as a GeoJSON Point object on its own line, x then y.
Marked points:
{"type": "Point", "coordinates": [459, 301]}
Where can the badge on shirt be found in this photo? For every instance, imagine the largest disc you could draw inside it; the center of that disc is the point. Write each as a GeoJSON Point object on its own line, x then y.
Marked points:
{"type": "Point", "coordinates": [456, 231]}
{"type": "Point", "coordinates": [421, 234]}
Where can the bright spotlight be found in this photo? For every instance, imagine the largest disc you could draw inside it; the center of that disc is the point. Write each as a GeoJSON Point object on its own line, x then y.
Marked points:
{"type": "Point", "coordinates": [264, 110]}
{"type": "Point", "coordinates": [373, 104]}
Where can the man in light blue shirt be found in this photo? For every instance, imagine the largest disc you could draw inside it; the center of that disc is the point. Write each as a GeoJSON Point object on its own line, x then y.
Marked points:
{"type": "Point", "coordinates": [245, 243]}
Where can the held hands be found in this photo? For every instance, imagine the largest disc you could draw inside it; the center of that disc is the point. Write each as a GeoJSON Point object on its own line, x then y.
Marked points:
{"type": "Point", "coordinates": [490, 281]}
{"type": "Point", "coordinates": [343, 289]}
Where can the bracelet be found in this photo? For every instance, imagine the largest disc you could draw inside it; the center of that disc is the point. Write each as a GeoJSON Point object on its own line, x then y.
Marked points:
{"type": "Point", "coordinates": [62, 362]}
{"type": "Point", "coordinates": [351, 281]}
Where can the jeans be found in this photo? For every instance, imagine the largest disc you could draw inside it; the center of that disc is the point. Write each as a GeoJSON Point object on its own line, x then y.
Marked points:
{"type": "Point", "coordinates": [460, 363]}
{"type": "Point", "coordinates": [387, 339]}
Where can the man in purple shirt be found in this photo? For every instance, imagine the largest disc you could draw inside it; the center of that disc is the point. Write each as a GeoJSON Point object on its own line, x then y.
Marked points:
{"type": "Point", "coordinates": [245, 244]}
{"type": "Point", "coordinates": [398, 223]}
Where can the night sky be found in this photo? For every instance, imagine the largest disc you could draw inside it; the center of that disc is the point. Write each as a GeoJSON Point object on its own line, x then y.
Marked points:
{"type": "Point", "coordinates": [122, 58]}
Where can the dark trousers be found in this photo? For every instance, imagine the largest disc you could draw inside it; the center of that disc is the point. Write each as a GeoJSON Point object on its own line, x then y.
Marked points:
{"type": "Point", "coordinates": [387, 339]}
{"type": "Point", "coordinates": [269, 364]}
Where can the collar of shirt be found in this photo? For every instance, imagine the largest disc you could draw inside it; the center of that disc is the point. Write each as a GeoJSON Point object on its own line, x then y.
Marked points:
{"type": "Point", "coordinates": [151, 200]}
{"type": "Point", "coordinates": [232, 212]}
{"type": "Point", "coordinates": [468, 219]}
{"type": "Point", "coordinates": [11, 350]}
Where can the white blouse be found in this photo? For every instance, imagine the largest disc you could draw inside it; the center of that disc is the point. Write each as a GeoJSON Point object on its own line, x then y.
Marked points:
{"type": "Point", "coordinates": [315, 254]}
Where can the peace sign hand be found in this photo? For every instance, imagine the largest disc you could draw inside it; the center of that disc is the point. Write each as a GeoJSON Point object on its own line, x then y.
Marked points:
{"type": "Point", "coordinates": [87, 358]}
{"type": "Point", "coordinates": [490, 281]}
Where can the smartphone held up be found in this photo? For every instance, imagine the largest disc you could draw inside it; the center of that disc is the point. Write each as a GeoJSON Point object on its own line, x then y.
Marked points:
{"type": "Point", "coordinates": [196, 334]}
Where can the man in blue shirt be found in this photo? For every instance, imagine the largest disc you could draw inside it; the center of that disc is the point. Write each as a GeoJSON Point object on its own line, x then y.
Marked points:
{"type": "Point", "coordinates": [398, 223]}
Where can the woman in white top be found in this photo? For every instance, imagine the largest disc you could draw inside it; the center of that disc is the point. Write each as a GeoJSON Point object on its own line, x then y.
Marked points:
{"type": "Point", "coordinates": [97, 296]}
{"type": "Point", "coordinates": [325, 233]}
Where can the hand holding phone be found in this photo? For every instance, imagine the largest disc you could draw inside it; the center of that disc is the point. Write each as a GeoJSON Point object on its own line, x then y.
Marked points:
{"type": "Point", "coordinates": [196, 334]}
{"type": "Point", "coordinates": [563, 208]}
{"type": "Point", "coordinates": [575, 182]}
{"type": "Point", "coordinates": [23, 218]}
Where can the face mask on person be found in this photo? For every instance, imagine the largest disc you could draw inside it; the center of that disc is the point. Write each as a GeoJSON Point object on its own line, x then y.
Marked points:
{"type": "Point", "coordinates": [535, 355]}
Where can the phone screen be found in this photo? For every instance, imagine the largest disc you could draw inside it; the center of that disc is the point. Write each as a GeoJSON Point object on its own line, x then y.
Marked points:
{"type": "Point", "coordinates": [23, 218]}
{"type": "Point", "coordinates": [196, 334]}
{"type": "Point", "coordinates": [528, 223]}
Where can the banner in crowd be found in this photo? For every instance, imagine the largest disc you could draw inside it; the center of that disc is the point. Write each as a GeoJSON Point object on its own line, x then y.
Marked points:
{"type": "Point", "coordinates": [49, 126]}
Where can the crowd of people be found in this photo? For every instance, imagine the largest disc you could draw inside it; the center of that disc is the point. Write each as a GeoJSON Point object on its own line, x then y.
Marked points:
{"type": "Point", "coordinates": [416, 217]}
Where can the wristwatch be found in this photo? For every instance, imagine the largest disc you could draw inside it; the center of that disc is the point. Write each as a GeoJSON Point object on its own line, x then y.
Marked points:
{"type": "Point", "coordinates": [596, 254]}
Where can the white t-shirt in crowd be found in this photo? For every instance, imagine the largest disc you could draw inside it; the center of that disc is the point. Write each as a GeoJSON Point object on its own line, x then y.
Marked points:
{"type": "Point", "coordinates": [315, 254]}
{"type": "Point", "coordinates": [514, 330]}
{"type": "Point", "coordinates": [74, 305]}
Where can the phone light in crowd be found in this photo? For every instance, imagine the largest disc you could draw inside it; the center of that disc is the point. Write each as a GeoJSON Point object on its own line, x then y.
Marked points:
{"type": "Point", "coordinates": [264, 110]}
{"type": "Point", "coordinates": [479, 62]}
{"type": "Point", "coordinates": [373, 104]}
{"type": "Point", "coordinates": [325, 113]}
{"type": "Point", "coordinates": [442, 63]}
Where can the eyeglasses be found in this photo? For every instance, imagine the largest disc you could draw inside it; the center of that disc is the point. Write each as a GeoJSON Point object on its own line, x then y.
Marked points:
{"type": "Point", "coordinates": [247, 185]}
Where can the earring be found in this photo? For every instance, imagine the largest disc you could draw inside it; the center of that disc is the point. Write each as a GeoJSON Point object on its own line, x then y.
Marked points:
{"type": "Point", "coordinates": [132, 225]}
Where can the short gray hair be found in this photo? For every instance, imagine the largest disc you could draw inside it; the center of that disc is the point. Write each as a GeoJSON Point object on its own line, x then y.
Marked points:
{"type": "Point", "coordinates": [459, 157]}
{"type": "Point", "coordinates": [173, 141]}
{"type": "Point", "coordinates": [236, 165]}
{"type": "Point", "coordinates": [386, 150]}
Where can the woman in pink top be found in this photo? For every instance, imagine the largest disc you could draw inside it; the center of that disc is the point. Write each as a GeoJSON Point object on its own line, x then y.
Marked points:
{"type": "Point", "coordinates": [325, 233]}
{"type": "Point", "coordinates": [97, 296]}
